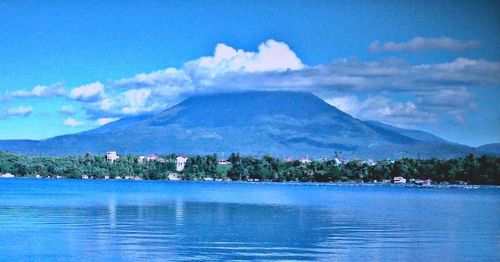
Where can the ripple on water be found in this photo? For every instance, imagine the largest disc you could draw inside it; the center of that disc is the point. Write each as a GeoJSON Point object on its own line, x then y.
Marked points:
{"type": "Point", "coordinates": [174, 221]}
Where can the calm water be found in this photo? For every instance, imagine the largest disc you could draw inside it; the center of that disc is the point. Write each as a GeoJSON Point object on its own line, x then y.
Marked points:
{"type": "Point", "coordinates": [92, 220]}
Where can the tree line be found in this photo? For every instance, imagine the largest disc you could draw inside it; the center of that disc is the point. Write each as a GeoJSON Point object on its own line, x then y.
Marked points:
{"type": "Point", "coordinates": [471, 169]}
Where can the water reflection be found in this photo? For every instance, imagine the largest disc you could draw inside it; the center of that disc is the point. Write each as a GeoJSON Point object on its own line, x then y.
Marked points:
{"type": "Point", "coordinates": [112, 213]}
{"type": "Point", "coordinates": [179, 212]}
{"type": "Point", "coordinates": [388, 224]}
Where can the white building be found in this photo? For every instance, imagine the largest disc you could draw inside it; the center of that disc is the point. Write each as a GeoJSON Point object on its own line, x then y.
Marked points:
{"type": "Point", "coordinates": [111, 156]}
{"type": "Point", "coordinates": [180, 163]}
{"type": "Point", "coordinates": [305, 160]}
{"type": "Point", "coordinates": [224, 162]}
{"type": "Point", "coordinates": [151, 157]}
{"type": "Point", "coordinates": [140, 160]}
{"type": "Point", "coordinates": [173, 176]}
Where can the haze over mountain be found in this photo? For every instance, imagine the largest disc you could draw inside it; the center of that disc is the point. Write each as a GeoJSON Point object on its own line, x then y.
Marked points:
{"type": "Point", "coordinates": [283, 123]}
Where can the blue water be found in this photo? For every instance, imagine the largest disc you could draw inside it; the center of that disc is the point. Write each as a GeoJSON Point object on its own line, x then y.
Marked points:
{"type": "Point", "coordinates": [103, 220]}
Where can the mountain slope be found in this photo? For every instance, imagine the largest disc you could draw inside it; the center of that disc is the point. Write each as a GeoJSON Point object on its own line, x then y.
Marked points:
{"type": "Point", "coordinates": [279, 123]}
{"type": "Point", "coordinates": [415, 134]}
{"type": "Point", "coordinates": [489, 149]}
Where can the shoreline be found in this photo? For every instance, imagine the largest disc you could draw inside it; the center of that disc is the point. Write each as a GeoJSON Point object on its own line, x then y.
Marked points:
{"type": "Point", "coordinates": [470, 170]}
{"type": "Point", "coordinates": [312, 183]}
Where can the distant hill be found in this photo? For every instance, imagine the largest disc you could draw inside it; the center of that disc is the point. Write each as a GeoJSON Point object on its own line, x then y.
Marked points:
{"type": "Point", "coordinates": [280, 123]}
{"type": "Point", "coordinates": [489, 149]}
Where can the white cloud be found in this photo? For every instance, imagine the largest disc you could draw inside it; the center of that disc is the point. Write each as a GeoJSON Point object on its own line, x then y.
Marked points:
{"type": "Point", "coordinates": [430, 90]}
{"type": "Point", "coordinates": [129, 102]}
{"type": "Point", "coordinates": [394, 112]}
{"type": "Point", "coordinates": [67, 110]}
{"type": "Point", "coordinates": [90, 92]}
{"type": "Point", "coordinates": [72, 122]}
{"type": "Point", "coordinates": [23, 111]}
{"type": "Point", "coordinates": [421, 107]}
{"type": "Point", "coordinates": [421, 43]}
{"type": "Point", "coordinates": [271, 56]}
{"type": "Point", "coordinates": [346, 77]}
{"type": "Point", "coordinates": [455, 102]}
{"type": "Point", "coordinates": [39, 91]}
{"type": "Point", "coordinates": [135, 100]}
{"type": "Point", "coordinates": [168, 83]}
{"type": "Point", "coordinates": [349, 104]}
{"type": "Point", "coordinates": [460, 72]}
{"type": "Point", "coordinates": [353, 75]}
{"type": "Point", "coordinates": [380, 108]}
{"type": "Point", "coordinates": [106, 120]}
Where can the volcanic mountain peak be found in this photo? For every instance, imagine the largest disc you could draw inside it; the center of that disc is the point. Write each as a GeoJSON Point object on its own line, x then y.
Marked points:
{"type": "Point", "coordinates": [251, 122]}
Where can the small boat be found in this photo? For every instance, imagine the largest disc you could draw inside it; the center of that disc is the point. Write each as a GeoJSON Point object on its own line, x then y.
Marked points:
{"type": "Point", "coordinates": [420, 182]}
{"type": "Point", "coordinates": [7, 175]}
{"type": "Point", "coordinates": [427, 182]}
{"type": "Point", "coordinates": [399, 180]}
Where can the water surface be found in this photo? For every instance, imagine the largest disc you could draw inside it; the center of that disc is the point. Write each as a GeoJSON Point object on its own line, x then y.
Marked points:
{"type": "Point", "coordinates": [97, 220]}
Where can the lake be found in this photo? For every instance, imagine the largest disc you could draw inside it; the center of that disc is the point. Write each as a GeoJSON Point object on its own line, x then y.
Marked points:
{"type": "Point", "coordinates": [119, 220]}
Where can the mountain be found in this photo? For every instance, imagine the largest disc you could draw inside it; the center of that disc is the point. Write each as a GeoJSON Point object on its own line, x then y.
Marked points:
{"type": "Point", "coordinates": [415, 134]}
{"type": "Point", "coordinates": [280, 123]}
{"type": "Point", "coordinates": [489, 149]}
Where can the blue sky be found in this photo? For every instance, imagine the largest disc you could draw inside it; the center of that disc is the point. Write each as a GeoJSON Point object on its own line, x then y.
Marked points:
{"type": "Point", "coordinates": [69, 66]}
